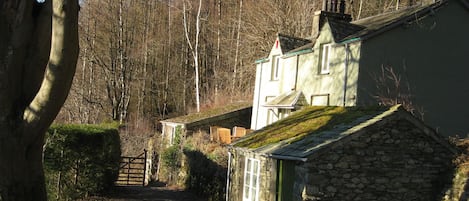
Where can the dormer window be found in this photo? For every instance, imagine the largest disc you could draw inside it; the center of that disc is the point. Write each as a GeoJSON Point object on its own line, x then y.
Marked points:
{"type": "Point", "coordinates": [325, 58]}
{"type": "Point", "coordinates": [275, 67]}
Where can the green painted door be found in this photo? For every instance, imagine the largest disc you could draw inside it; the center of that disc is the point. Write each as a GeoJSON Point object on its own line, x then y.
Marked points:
{"type": "Point", "coordinates": [286, 179]}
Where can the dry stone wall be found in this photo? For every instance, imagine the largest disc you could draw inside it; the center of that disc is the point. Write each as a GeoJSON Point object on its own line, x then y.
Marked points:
{"type": "Point", "coordinates": [393, 162]}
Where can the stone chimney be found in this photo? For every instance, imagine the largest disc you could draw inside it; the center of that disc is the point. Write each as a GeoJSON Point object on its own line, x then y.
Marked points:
{"type": "Point", "coordinates": [333, 9]}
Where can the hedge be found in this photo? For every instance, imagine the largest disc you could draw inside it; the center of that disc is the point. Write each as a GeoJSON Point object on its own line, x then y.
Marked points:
{"type": "Point", "coordinates": [80, 160]}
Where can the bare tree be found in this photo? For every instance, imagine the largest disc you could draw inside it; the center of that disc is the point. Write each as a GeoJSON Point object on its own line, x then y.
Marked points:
{"type": "Point", "coordinates": [393, 88]}
{"type": "Point", "coordinates": [38, 56]}
{"type": "Point", "coordinates": [238, 35]}
{"type": "Point", "coordinates": [194, 48]}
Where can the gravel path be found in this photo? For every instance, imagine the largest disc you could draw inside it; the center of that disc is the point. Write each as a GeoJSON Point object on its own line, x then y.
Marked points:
{"type": "Point", "coordinates": [159, 192]}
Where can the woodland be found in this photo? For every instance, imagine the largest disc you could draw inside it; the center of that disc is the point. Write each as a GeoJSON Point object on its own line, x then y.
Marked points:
{"type": "Point", "coordinates": [142, 61]}
{"type": "Point", "coordinates": [130, 61]}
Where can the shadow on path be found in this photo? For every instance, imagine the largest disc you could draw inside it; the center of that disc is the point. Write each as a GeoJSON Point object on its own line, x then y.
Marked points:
{"type": "Point", "coordinates": [154, 192]}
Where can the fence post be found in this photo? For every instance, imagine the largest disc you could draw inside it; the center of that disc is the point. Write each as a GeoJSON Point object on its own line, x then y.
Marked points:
{"type": "Point", "coordinates": [144, 167]}
{"type": "Point", "coordinates": [128, 171]}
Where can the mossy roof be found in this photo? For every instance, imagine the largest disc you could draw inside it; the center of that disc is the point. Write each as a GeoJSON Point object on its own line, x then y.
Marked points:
{"type": "Point", "coordinates": [314, 129]}
{"type": "Point", "coordinates": [308, 121]}
{"type": "Point", "coordinates": [210, 113]}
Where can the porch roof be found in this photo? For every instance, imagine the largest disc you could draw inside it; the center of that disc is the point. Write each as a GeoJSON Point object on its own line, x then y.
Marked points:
{"type": "Point", "coordinates": [287, 100]}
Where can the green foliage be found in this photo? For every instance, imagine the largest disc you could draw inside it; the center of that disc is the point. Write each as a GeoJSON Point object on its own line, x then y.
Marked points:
{"type": "Point", "coordinates": [196, 164]}
{"type": "Point", "coordinates": [205, 177]}
{"type": "Point", "coordinates": [177, 135]}
{"type": "Point", "coordinates": [171, 157]}
{"type": "Point", "coordinates": [80, 160]}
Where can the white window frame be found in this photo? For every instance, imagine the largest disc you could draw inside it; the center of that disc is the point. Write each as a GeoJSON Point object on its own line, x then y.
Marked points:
{"type": "Point", "coordinates": [249, 175]}
{"type": "Point", "coordinates": [275, 67]}
{"type": "Point", "coordinates": [326, 53]}
{"type": "Point", "coordinates": [327, 97]}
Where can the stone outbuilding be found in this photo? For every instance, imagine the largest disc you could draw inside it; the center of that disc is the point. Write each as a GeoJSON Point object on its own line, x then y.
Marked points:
{"type": "Point", "coordinates": [229, 116]}
{"type": "Point", "coordinates": [341, 153]}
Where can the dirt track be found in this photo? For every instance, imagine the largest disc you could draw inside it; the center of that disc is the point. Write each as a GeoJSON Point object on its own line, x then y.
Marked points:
{"type": "Point", "coordinates": [150, 193]}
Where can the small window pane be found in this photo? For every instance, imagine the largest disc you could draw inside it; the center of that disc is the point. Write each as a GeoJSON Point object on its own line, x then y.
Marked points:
{"type": "Point", "coordinates": [248, 178]}
{"type": "Point", "coordinates": [246, 192]}
{"type": "Point", "coordinates": [256, 167]}
{"type": "Point", "coordinates": [254, 181]}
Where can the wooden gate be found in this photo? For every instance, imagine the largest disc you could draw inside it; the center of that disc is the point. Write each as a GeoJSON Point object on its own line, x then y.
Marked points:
{"type": "Point", "coordinates": [132, 170]}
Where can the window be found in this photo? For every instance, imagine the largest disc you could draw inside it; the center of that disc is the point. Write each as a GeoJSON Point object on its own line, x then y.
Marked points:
{"type": "Point", "coordinates": [275, 67]}
{"type": "Point", "coordinates": [251, 180]}
{"type": "Point", "coordinates": [325, 58]}
{"type": "Point", "coordinates": [320, 100]}
{"type": "Point", "coordinates": [283, 113]}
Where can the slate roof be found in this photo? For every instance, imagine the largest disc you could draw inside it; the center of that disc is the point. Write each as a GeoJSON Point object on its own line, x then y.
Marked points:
{"type": "Point", "coordinates": [383, 22]}
{"type": "Point", "coordinates": [288, 43]}
{"type": "Point", "coordinates": [371, 26]}
{"type": "Point", "coordinates": [341, 29]}
{"type": "Point", "coordinates": [214, 112]}
{"type": "Point", "coordinates": [287, 100]}
{"type": "Point", "coordinates": [315, 128]}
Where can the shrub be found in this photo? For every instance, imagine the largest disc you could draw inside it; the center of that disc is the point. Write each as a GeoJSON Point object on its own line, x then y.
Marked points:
{"type": "Point", "coordinates": [171, 157]}
{"type": "Point", "coordinates": [80, 160]}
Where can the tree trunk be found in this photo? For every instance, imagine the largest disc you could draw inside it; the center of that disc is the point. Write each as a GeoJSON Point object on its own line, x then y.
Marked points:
{"type": "Point", "coordinates": [235, 66]}
{"type": "Point", "coordinates": [194, 49]}
{"type": "Point", "coordinates": [38, 56]}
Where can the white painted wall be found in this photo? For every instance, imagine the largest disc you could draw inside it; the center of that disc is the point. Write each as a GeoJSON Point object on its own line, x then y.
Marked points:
{"type": "Point", "coordinates": [301, 72]}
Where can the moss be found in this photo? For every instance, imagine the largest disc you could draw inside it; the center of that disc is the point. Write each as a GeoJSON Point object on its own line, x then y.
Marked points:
{"type": "Point", "coordinates": [210, 113]}
{"type": "Point", "coordinates": [308, 121]}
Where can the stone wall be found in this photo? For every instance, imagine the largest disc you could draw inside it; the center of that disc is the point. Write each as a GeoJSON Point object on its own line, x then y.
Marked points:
{"type": "Point", "coordinates": [396, 161]}
{"type": "Point", "coordinates": [267, 178]}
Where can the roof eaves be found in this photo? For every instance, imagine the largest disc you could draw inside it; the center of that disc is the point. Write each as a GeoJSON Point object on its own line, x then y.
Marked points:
{"type": "Point", "coordinates": [402, 20]}
{"type": "Point", "coordinates": [290, 158]}
{"type": "Point", "coordinates": [208, 114]}
{"type": "Point", "coordinates": [296, 53]}
{"type": "Point", "coordinates": [262, 60]}
{"type": "Point", "coordinates": [349, 40]}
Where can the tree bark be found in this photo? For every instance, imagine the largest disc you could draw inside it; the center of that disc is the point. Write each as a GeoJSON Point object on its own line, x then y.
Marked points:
{"type": "Point", "coordinates": [38, 56]}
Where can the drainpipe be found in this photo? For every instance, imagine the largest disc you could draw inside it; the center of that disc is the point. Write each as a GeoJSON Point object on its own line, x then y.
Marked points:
{"type": "Point", "coordinates": [346, 72]}
{"type": "Point", "coordinates": [296, 72]}
{"type": "Point", "coordinates": [258, 96]}
{"type": "Point", "coordinates": [228, 176]}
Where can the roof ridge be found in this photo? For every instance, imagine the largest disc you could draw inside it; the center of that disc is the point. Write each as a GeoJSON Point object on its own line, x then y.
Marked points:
{"type": "Point", "coordinates": [396, 11]}
{"type": "Point", "coordinates": [292, 37]}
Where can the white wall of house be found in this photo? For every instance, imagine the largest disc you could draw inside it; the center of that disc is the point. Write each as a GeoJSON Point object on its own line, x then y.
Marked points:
{"type": "Point", "coordinates": [169, 131]}
{"type": "Point", "coordinates": [302, 72]}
